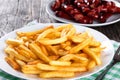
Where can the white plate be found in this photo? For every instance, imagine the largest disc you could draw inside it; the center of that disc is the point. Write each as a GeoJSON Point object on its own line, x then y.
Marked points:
{"type": "Point", "coordinates": [113, 19]}
{"type": "Point", "coordinates": [106, 55]}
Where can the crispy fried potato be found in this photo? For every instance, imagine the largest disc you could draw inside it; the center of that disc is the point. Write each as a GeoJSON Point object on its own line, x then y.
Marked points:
{"type": "Point", "coordinates": [35, 48]}
{"type": "Point", "coordinates": [12, 63]}
{"type": "Point", "coordinates": [11, 51]}
{"type": "Point", "coordinates": [32, 55]}
{"type": "Point", "coordinates": [57, 74]}
{"type": "Point", "coordinates": [91, 65]}
{"type": "Point", "coordinates": [20, 62]}
{"type": "Point", "coordinates": [80, 46]}
{"type": "Point", "coordinates": [14, 42]}
{"type": "Point", "coordinates": [43, 34]}
{"type": "Point", "coordinates": [33, 32]}
{"type": "Point", "coordinates": [60, 63]}
{"type": "Point", "coordinates": [54, 57]}
{"type": "Point", "coordinates": [52, 41]}
{"type": "Point", "coordinates": [92, 55]}
{"type": "Point", "coordinates": [30, 69]}
{"type": "Point", "coordinates": [60, 68]}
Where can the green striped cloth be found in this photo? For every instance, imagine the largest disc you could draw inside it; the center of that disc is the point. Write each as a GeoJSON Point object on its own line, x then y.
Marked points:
{"type": "Point", "coordinates": [112, 74]}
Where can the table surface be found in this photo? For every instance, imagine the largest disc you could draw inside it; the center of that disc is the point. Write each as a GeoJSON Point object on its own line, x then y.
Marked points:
{"type": "Point", "coordinates": [16, 13]}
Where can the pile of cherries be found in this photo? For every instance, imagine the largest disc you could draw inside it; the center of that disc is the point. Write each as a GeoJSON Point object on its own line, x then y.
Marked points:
{"type": "Point", "coordinates": [85, 11]}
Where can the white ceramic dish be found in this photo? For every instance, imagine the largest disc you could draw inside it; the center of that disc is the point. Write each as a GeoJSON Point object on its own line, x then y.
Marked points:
{"type": "Point", "coordinates": [106, 54]}
{"type": "Point", "coordinates": [113, 19]}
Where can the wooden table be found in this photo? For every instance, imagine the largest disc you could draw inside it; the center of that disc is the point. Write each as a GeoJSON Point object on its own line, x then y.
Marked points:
{"type": "Point", "coordinates": [16, 13]}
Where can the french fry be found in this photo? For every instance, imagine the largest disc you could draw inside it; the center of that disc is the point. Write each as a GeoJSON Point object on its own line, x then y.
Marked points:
{"type": "Point", "coordinates": [77, 39]}
{"type": "Point", "coordinates": [96, 49]}
{"type": "Point", "coordinates": [35, 48]}
{"type": "Point", "coordinates": [80, 46]}
{"type": "Point", "coordinates": [95, 43]}
{"type": "Point", "coordinates": [23, 53]}
{"type": "Point", "coordinates": [69, 57]}
{"type": "Point", "coordinates": [92, 55]}
{"type": "Point", "coordinates": [60, 63]}
{"type": "Point", "coordinates": [8, 52]}
{"type": "Point", "coordinates": [33, 32]}
{"type": "Point", "coordinates": [53, 41]}
{"type": "Point", "coordinates": [20, 62]}
{"type": "Point", "coordinates": [35, 62]}
{"type": "Point", "coordinates": [52, 49]}
{"type": "Point", "coordinates": [91, 65]}
{"type": "Point", "coordinates": [57, 74]}
{"type": "Point", "coordinates": [53, 57]}
{"type": "Point", "coordinates": [12, 63]}
{"type": "Point", "coordinates": [14, 42]}
{"type": "Point", "coordinates": [32, 55]}
{"type": "Point", "coordinates": [16, 54]}
{"type": "Point", "coordinates": [61, 27]}
{"type": "Point", "coordinates": [71, 32]}
{"type": "Point", "coordinates": [30, 69]}
{"type": "Point", "coordinates": [75, 64]}
{"type": "Point", "coordinates": [43, 34]}
{"type": "Point", "coordinates": [60, 68]}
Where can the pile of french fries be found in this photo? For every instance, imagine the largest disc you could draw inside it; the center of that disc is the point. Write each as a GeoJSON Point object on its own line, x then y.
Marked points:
{"type": "Point", "coordinates": [53, 52]}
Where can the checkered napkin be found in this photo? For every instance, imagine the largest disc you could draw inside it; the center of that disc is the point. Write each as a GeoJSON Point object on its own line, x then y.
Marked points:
{"type": "Point", "coordinates": [112, 74]}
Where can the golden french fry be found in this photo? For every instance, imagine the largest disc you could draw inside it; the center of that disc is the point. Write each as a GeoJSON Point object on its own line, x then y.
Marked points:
{"type": "Point", "coordinates": [44, 50]}
{"type": "Point", "coordinates": [32, 55]}
{"type": "Point", "coordinates": [35, 48]}
{"type": "Point", "coordinates": [95, 43]}
{"type": "Point", "coordinates": [82, 55]}
{"type": "Point", "coordinates": [67, 48]}
{"type": "Point", "coordinates": [75, 64]}
{"type": "Point", "coordinates": [33, 32]}
{"type": "Point", "coordinates": [43, 34]}
{"type": "Point", "coordinates": [14, 42]}
{"type": "Point", "coordinates": [61, 27]}
{"type": "Point", "coordinates": [16, 54]}
{"type": "Point", "coordinates": [62, 52]}
{"type": "Point", "coordinates": [56, 74]}
{"type": "Point", "coordinates": [53, 41]}
{"type": "Point", "coordinates": [12, 62]}
{"type": "Point", "coordinates": [11, 55]}
{"type": "Point", "coordinates": [67, 57]}
{"type": "Point", "coordinates": [53, 57]}
{"type": "Point", "coordinates": [96, 49]}
{"type": "Point", "coordinates": [80, 46]}
{"type": "Point", "coordinates": [20, 62]}
{"type": "Point", "coordinates": [23, 53]}
{"type": "Point", "coordinates": [71, 32]}
{"type": "Point", "coordinates": [83, 35]}
{"type": "Point", "coordinates": [30, 69]}
{"type": "Point", "coordinates": [60, 68]}
{"type": "Point", "coordinates": [91, 65]}
{"type": "Point", "coordinates": [52, 49]}
{"type": "Point", "coordinates": [77, 39]}
{"type": "Point", "coordinates": [60, 63]}
{"type": "Point", "coordinates": [92, 55]}
{"type": "Point", "coordinates": [35, 62]}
